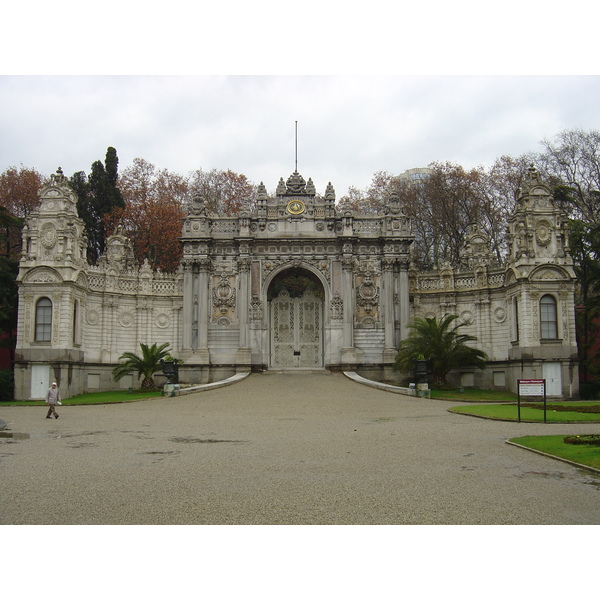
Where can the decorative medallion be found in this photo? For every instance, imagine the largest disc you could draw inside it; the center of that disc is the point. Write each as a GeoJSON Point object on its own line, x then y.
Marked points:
{"type": "Point", "coordinates": [93, 317]}
{"type": "Point", "coordinates": [367, 295]}
{"type": "Point", "coordinates": [368, 323]}
{"type": "Point", "coordinates": [126, 319]}
{"type": "Point", "coordinates": [163, 320]}
{"type": "Point", "coordinates": [499, 315]}
{"type": "Point", "coordinates": [543, 233]}
{"type": "Point", "coordinates": [48, 235]}
{"type": "Point", "coordinates": [466, 317]}
{"type": "Point", "coordinates": [296, 207]}
{"type": "Point", "coordinates": [224, 295]}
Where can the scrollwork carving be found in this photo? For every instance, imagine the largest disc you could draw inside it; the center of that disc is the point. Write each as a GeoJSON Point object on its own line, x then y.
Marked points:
{"type": "Point", "coordinates": [224, 295]}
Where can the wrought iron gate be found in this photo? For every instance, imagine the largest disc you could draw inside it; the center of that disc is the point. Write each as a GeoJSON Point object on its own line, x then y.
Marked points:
{"type": "Point", "coordinates": [297, 331]}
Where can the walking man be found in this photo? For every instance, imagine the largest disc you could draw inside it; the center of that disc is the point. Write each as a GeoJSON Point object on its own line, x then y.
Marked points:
{"type": "Point", "coordinates": [52, 399]}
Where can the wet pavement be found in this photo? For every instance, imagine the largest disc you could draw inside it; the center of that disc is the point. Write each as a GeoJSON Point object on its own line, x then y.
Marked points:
{"type": "Point", "coordinates": [285, 448]}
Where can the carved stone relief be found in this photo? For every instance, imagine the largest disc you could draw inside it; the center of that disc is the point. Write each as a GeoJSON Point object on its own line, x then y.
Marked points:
{"type": "Point", "coordinates": [224, 296]}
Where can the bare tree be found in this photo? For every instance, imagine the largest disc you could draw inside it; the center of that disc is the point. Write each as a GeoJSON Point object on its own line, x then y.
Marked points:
{"type": "Point", "coordinates": [572, 159]}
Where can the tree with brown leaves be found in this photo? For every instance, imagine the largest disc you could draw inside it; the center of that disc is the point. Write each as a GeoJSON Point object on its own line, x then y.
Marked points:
{"type": "Point", "coordinates": [153, 214]}
{"type": "Point", "coordinates": [224, 192]}
{"type": "Point", "coordinates": [19, 189]}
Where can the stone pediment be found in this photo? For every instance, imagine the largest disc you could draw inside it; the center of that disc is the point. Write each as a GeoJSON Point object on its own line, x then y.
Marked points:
{"type": "Point", "coordinates": [550, 273]}
{"type": "Point", "coordinates": [82, 280]}
{"type": "Point", "coordinates": [510, 278]}
{"type": "Point", "coordinates": [42, 275]}
{"type": "Point", "coordinates": [58, 196]}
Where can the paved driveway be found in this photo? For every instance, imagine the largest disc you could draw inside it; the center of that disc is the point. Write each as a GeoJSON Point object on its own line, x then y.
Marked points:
{"type": "Point", "coordinates": [301, 448]}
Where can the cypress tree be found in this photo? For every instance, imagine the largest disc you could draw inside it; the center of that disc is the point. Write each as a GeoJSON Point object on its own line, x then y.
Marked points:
{"type": "Point", "coordinates": [98, 195]}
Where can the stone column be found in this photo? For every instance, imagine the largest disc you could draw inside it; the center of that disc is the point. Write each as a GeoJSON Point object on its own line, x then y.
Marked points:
{"type": "Point", "coordinates": [403, 298]}
{"type": "Point", "coordinates": [349, 301]}
{"type": "Point", "coordinates": [186, 324]}
{"type": "Point", "coordinates": [203, 291]}
{"type": "Point", "coordinates": [387, 300]}
{"type": "Point", "coordinates": [243, 355]}
{"type": "Point", "coordinates": [349, 354]}
{"type": "Point", "coordinates": [188, 297]}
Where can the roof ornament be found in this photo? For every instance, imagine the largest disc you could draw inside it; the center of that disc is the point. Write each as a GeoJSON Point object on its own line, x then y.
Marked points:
{"type": "Point", "coordinates": [261, 192]}
{"type": "Point", "coordinates": [296, 184]}
{"type": "Point", "coordinates": [533, 175]}
{"type": "Point", "coordinates": [281, 189]}
{"type": "Point", "coordinates": [329, 192]}
{"type": "Point", "coordinates": [58, 178]}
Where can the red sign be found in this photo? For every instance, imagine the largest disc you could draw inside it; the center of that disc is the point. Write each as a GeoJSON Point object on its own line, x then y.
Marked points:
{"type": "Point", "coordinates": [532, 387]}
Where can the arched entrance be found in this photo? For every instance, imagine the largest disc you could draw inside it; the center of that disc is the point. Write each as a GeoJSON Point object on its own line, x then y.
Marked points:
{"type": "Point", "coordinates": [296, 299]}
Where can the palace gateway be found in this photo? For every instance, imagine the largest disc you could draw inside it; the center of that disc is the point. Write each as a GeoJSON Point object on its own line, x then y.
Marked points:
{"type": "Point", "coordinates": [294, 284]}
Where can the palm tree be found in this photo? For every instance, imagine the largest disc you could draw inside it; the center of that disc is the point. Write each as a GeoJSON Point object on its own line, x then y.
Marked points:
{"type": "Point", "coordinates": [442, 344]}
{"type": "Point", "coordinates": [145, 366]}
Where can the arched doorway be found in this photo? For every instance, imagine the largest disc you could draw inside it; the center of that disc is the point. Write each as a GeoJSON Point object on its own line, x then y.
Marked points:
{"type": "Point", "coordinates": [296, 299]}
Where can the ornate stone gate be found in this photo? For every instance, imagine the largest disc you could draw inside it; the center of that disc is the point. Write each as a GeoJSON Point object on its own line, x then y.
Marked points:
{"type": "Point", "coordinates": [234, 305]}
{"type": "Point", "coordinates": [354, 311]}
{"type": "Point", "coordinates": [296, 321]}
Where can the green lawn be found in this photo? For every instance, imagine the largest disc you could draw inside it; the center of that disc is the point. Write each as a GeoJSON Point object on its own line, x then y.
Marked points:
{"type": "Point", "coordinates": [474, 395]}
{"type": "Point", "coordinates": [508, 412]}
{"type": "Point", "coordinates": [96, 398]}
{"type": "Point", "coordinates": [555, 446]}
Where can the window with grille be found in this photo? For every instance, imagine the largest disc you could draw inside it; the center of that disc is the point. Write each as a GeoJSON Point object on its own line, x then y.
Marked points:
{"type": "Point", "coordinates": [549, 326]}
{"type": "Point", "coordinates": [43, 320]}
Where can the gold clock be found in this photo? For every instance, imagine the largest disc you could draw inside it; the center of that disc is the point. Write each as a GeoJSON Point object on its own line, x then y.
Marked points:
{"type": "Point", "coordinates": [296, 207]}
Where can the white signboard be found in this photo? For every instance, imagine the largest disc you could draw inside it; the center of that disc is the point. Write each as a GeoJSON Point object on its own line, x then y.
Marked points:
{"type": "Point", "coordinates": [532, 387]}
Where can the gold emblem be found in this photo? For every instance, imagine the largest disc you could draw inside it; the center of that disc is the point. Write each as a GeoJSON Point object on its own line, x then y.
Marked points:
{"type": "Point", "coordinates": [296, 207]}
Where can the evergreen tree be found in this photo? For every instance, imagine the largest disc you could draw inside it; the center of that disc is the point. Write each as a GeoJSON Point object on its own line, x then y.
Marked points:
{"type": "Point", "coordinates": [9, 268]}
{"type": "Point", "coordinates": [98, 196]}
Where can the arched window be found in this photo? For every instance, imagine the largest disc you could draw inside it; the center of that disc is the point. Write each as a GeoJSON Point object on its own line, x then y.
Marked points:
{"type": "Point", "coordinates": [43, 320]}
{"type": "Point", "coordinates": [548, 321]}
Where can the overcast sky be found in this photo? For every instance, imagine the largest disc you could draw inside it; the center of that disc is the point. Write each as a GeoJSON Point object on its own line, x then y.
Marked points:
{"type": "Point", "coordinates": [348, 126]}
{"type": "Point", "coordinates": [384, 90]}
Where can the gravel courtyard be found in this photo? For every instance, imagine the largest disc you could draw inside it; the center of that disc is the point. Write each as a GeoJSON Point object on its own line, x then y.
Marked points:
{"type": "Point", "coordinates": [284, 448]}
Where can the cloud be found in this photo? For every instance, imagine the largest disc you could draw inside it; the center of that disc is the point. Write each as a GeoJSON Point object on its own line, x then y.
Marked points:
{"type": "Point", "coordinates": [349, 127]}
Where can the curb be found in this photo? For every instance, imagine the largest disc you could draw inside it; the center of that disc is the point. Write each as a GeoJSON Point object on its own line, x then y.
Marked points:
{"type": "Point", "coordinates": [209, 386]}
{"type": "Point", "coordinates": [381, 386]}
{"type": "Point", "coordinates": [565, 460]}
